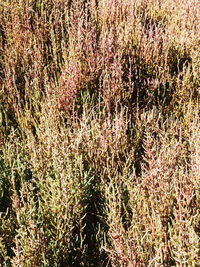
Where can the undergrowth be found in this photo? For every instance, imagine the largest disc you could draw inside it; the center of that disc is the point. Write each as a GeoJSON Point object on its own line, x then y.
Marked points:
{"type": "Point", "coordinates": [99, 133]}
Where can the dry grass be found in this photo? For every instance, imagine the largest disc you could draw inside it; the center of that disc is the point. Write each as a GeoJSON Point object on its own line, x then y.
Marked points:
{"type": "Point", "coordinates": [99, 133]}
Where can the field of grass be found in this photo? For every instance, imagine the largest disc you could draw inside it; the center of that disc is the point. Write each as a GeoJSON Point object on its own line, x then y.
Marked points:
{"type": "Point", "coordinates": [99, 133]}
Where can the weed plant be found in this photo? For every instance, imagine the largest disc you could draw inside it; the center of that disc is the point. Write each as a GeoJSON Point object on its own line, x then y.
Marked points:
{"type": "Point", "coordinates": [99, 133]}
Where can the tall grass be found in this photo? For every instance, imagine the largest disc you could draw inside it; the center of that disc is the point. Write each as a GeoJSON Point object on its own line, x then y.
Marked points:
{"type": "Point", "coordinates": [99, 133]}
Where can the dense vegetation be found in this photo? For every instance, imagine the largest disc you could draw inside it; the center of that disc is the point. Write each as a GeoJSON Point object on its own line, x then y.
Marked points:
{"type": "Point", "coordinates": [99, 133]}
